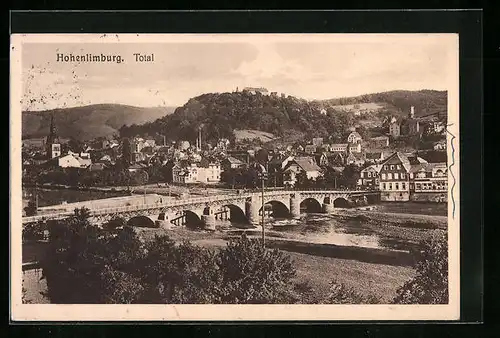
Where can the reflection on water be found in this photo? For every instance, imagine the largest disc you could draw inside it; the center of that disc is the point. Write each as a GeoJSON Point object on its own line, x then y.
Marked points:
{"type": "Point", "coordinates": [326, 229]}
{"type": "Point", "coordinates": [319, 229]}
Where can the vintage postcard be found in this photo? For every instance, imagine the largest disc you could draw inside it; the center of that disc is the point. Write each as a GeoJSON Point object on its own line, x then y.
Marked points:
{"type": "Point", "coordinates": [211, 177]}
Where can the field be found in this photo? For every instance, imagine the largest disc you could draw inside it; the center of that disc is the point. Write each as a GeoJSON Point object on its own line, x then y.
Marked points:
{"type": "Point", "coordinates": [253, 134]}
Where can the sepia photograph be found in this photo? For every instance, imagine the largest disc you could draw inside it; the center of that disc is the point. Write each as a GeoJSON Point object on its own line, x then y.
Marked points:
{"type": "Point", "coordinates": [235, 177]}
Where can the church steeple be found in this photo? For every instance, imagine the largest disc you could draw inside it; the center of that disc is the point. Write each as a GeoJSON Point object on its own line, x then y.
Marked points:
{"type": "Point", "coordinates": [52, 131]}
{"type": "Point", "coordinates": [53, 145]}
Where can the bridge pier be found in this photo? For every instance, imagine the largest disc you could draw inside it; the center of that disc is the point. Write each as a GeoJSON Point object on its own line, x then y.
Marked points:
{"type": "Point", "coordinates": [252, 211]}
{"type": "Point", "coordinates": [295, 205]}
{"type": "Point", "coordinates": [208, 220]}
{"type": "Point", "coordinates": [327, 208]}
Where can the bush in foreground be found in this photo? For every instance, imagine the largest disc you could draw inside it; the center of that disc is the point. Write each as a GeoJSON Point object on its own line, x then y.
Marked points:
{"type": "Point", "coordinates": [430, 284]}
{"type": "Point", "coordinates": [85, 264]}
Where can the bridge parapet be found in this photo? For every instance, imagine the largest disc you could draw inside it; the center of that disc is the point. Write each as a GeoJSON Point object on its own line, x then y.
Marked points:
{"type": "Point", "coordinates": [282, 195]}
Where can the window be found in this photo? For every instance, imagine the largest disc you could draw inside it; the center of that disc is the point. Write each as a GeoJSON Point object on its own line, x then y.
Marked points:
{"type": "Point", "coordinates": [383, 186]}
{"type": "Point", "coordinates": [411, 175]}
{"type": "Point", "coordinates": [397, 186]}
{"type": "Point", "coordinates": [385, 167]}
{"type": "Point", "coordinates": [369, 174]}
{"type": "Point", "coordinates": [392, 166]}
{"type": "Point", "coordinates": [398, 166]}
{"type": "Point", "coordinates": [390, 186]}
{"type": "Point", "coordinates": [402, 175]}
{"type": "Point", "coordinates": [389, 176]}
{"type": "Point", "coordinates": [403, 186]}
{"type": "Point", "coordinates": [396, 176]}
{"type": "Point", "coordinates": [383, 176]}
{"type": "Point", "coordinates": [417, 186]}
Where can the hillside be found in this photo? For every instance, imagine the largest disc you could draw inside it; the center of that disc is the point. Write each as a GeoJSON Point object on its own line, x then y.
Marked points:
{"type": "Point", "coordinates": [220, 114]}
{"type": "Point", "coordinates": [425, 101]}
{"type": "Point", "coordinates": [88, 122]}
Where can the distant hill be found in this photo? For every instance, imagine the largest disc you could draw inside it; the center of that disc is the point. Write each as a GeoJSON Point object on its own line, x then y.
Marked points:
{"type": "Point", "coordinates": [398, 101]}
{"type": "Point", "coordinates": [220, 114]}
{"type": "Point", "coordinates": [88, 122]}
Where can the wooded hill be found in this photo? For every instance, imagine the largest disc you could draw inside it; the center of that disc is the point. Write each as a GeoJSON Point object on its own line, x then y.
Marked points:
{"type": "Point", "coordinates": [219, 114]}
{"type": "Point", "coordinates": [88, 122]}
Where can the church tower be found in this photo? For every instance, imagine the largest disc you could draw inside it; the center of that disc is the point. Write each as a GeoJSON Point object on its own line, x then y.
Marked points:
{"type": "Point", "coordinates": [53, 145]}
{"type": "Point", "coordinates": [412, 112]}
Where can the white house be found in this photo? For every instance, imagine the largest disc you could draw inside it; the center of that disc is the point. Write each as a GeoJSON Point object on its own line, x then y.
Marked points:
{"type": "Point", "coordinates": [299, 165]}
{"type": "Point", "coordinates": [354, 137]}
{"type": "Point", "coordinates": [355, 148]}
{"type": "Point", "coordinates": [73, 161]}
{"type": "Point", "coordinates": [194, 173]}
{"type": "Point", "coordinates": [339, 147]}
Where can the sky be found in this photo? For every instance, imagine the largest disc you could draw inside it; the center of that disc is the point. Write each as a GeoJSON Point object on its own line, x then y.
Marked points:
{"type": "Point", "coordinates": [310, 68]}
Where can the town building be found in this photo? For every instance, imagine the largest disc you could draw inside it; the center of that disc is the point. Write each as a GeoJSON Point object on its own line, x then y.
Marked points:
{"type": "Point", "coordinates": [186, 173]}
{"type": "Point", "coordinates": [440, 145]}
{"type": "Point", "coordinates": [310, 149]}
{"type": "Point", "coordinates": [321, 159]}
{"type": "Point", "coordinates": [354, 138]}
{"type": "Point", "coordinates": [374, 157]}
{"type": "Point", "coordinates": [411, 124]}
{"type": "Point", "coordinates": [317, 141]}
{"type": "Point", "coordinates": [379, 142]}
{"type": "Point", "coordinates": [232, 163]}
{"type": "Point", "coordinates": [404, 178]}
{"type": "Point", "coordinates": [339, 147]}
{"type": "Point", "coordinates": [394, 178]}
{"type": "Point", "coordinates": [336, 158]}
{"type": "Point", "coordinates": [395, 128]}
{"type": "Point", "coordinates": [254, 91]}
{"type": "Point", "coordinates": [369, 177]}
{"type": "Point", "coordinates": [429, 182]}
{"type": "Point", "coordinates": [355, 147]}
{"type": "Point", "coordinates": [300, 165]}
{"type": "Point", "coordinates": [72, 160]}
{"type": "Point", "coordinates": [355, 158]}
{"type": "Point", "coordinates": [34, 143]}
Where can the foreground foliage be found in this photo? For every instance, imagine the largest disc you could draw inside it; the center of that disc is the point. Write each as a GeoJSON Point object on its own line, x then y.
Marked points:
{"type": "Point", "coordinates": [86, 264]}
{"type": "Point", "coordinates": [430, 284]}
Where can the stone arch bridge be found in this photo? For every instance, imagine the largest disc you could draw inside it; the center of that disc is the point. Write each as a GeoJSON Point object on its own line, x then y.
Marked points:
{"type": "Point", "coordinates": [242, 207]}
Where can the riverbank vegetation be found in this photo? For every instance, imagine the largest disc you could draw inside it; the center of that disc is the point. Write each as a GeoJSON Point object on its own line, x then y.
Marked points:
{"type": "Point", "coordinates": [84, 263]}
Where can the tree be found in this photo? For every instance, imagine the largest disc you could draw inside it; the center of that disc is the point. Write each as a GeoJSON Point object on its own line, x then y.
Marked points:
{"type": "Point", "coordinates": [31, 209]}
{"type": "Point", "coordinates": [85, 265]}
{"type": "Point", "coordinates": [254, 274]}
{"type": "Point", "coordinates": [126, 153]}
{"type": "Point", "coordinates": [350, 176]}
{"type": "Point", "coordinates": [430, 284]}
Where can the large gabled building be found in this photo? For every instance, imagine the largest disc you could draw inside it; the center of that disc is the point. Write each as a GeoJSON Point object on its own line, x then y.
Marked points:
{"type": "Point", "coordinates": [404, 178]}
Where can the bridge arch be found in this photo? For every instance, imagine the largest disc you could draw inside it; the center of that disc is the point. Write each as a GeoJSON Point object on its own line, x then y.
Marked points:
{"type": "Point", "coordinates": [141, 221]}
{"type": "Point", "coordinates": [278, 208]}
{"type": "Point", "coordinates": [311, 204]}
{"type": "Point", "coordinates": [236, 214]}
{"type": "Point", "coordinates": [191, 219]}
{"type": "Point", "coordinates": [341, 202]}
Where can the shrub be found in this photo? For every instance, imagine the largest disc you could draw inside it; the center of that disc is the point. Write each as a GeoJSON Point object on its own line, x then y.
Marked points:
{"type": "Point", "coordinates": [253, 274]}
{"type": "Point", "coordinates": [85, 264]}
{"type": "Point", "coordinates": [430, 284]}
{"type": "Point", "coordinates": [30, 209]}
{"type": "Point", "coordinates": [115, 223]}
